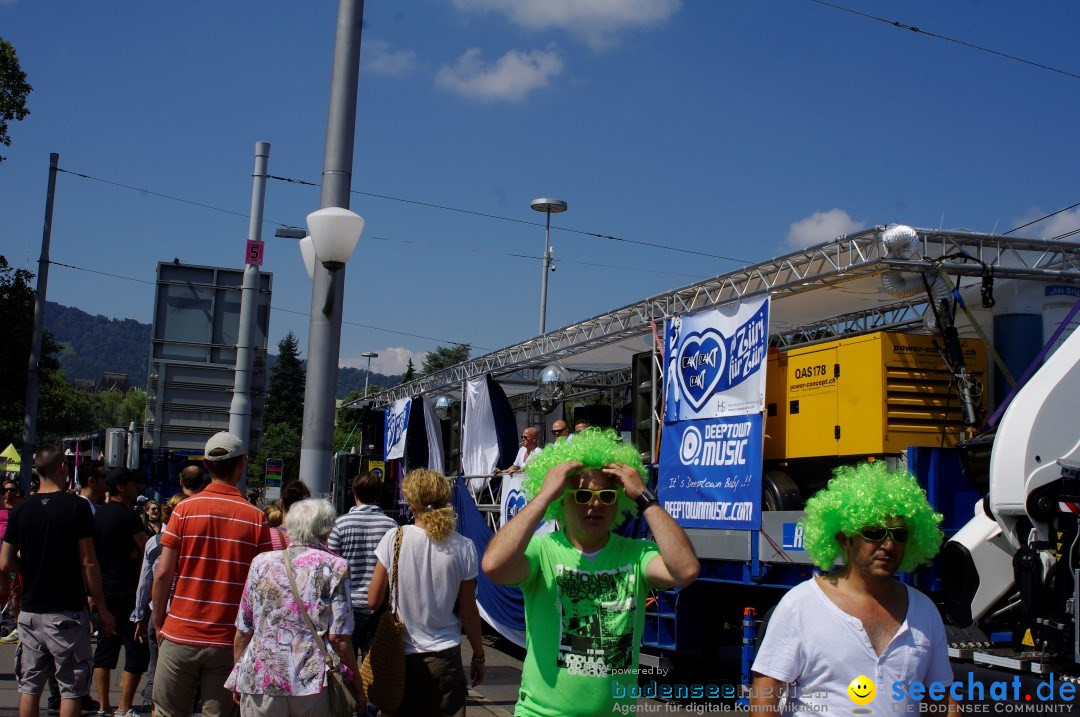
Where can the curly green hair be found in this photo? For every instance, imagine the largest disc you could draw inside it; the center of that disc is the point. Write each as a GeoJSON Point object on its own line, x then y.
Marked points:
{"type": "Point", "coordinates": [594, 448]}
{"type": "Point", "coordinates": [863, 495]}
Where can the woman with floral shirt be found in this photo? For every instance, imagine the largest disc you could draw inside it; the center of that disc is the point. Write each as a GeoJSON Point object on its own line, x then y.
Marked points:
{"type": "Point", "coordinates": [279, 666]}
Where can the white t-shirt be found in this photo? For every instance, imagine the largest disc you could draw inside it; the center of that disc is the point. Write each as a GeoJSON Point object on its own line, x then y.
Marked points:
{"type": "Point", "coordinates": [431, 576]}
{"type": "Point", "coordinates": [813, 643]}
{"type": "Point", "coordinates": [520, 460]}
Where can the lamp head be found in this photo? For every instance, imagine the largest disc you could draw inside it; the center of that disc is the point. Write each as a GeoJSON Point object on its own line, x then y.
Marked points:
{"type": "Point", "coordinates": [335, 232]}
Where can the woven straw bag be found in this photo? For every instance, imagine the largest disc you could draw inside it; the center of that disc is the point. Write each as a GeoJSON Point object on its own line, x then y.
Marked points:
{"type": "Point", "coordinates": [383, 670]}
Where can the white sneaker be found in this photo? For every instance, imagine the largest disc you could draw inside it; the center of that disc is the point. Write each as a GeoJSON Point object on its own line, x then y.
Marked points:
{"type": "Point", "coordinates": [11, 638]}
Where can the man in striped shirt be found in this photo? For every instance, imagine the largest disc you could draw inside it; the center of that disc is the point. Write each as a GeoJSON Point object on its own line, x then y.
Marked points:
{"type": "Point", "coordinates": [208, 545]}
{"type": "Point", "coordinates": [355, 537]}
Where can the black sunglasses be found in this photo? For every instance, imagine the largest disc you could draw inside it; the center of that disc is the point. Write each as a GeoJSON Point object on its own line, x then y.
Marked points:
{"type": "Point", "coordinates": [584, 496]}
{"type": "Point", "coordinates": [559, 431]}
{"type": "Point", "coordinates": [877, 534]}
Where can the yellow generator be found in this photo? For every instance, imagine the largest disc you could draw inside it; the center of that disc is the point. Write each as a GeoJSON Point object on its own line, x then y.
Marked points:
{"type": "Point", "coordinates": [871, 395]}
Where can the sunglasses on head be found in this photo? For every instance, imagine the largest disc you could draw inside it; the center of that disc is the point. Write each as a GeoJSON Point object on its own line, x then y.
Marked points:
{"type": "Point", "coordinates": [877, 534]}
{"type": "Point", "coordinates": [584, 496]}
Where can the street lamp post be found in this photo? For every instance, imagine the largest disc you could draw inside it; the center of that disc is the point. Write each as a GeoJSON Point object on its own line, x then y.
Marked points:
{"type": "Point", "coordinates": [368, 355]}
{"type": "Point", "coordinates": [548, 206]}
{"type": "Point", "coordinates": [328, 280]}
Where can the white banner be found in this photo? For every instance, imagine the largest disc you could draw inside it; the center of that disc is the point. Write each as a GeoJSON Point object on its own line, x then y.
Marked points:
{"type": "Point", "coordinates": [716, 362]}
{"type": "Point", "coordinates": [397, 423]}
{"type": "Point", "coordinates": [433, 428]}
{"type": "Point", "coordinates": [479, 443]}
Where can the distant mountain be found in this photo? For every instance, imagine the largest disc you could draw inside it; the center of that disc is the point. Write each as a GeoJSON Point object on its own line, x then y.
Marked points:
{"type": "Point", "coordinates": [93, 345]}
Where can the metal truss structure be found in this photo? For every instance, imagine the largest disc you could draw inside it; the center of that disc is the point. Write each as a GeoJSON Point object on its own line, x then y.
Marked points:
{"type": "Point", "coordinates": [842, 262]}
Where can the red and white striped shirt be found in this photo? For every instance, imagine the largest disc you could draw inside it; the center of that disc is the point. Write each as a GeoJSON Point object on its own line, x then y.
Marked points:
{"type": "Point", "coordinates": [216, 535]}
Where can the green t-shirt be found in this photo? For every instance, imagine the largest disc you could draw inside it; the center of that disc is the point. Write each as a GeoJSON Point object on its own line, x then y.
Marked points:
{"type": "Point", "coordinates": [583, 622]}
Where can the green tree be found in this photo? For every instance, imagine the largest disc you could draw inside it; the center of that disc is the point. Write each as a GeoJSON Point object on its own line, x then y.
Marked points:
{"type": "Point", "coordinates": [279, 440]}
{"type": "Point", "coordinates": [410, 372]}
{"type": "Point", "coordinates": [285, 394]}
{"type": "Point", "coordinates": [346, 425]}
{"type": "Point", "coordinates": [444, 357]}
{"type": "Point", "coordinates": [13, 91]}
{"type": "Point", "coordinates": [120, 408]}
{"type": "Point", "coordinates": [58, 412]}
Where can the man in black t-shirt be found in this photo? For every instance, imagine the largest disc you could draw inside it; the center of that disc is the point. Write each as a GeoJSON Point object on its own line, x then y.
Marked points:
{"type": "Point", "coordinates": [50, 540]}
{"type": "Point", "coordinates": [119, 540]}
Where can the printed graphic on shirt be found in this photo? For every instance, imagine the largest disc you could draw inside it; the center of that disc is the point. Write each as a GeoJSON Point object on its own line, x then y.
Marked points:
{"type": "Point", "coordinates": [597, 610]}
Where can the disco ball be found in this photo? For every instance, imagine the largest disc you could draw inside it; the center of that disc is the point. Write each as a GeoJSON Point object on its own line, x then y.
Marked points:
{"type": "Point", "coordinates": [543, 404]}
{"type": "Point", "coordinates": [555, 381]}
{"type": "Point", "coordinates": [443, 405]}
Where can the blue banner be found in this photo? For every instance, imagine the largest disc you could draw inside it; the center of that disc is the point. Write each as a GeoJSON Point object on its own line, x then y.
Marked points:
{"type": "Point", "coordinates": [397, 423]}
{"type": "Point", "coordinates": [710, 472]}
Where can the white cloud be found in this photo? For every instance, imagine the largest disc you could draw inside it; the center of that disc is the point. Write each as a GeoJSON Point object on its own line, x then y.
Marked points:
{"type": "Point", "coordinates": [1054, 226]}
{"type": "Point", "coordinates": [511, 78]}
{"type": "Point", "coordinates": [380, 57]}
{"type": "Point", "coordinates": [392, 360]}
{"type": "Point", "coordinates": [821, 226]}
{"type": "Point", "coordinates": [592, 21]}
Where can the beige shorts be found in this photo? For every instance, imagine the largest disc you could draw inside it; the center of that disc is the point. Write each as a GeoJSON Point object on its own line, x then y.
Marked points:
{"type": "Point", "coordinates": [54, 642]}
{"type": "Point", "coordinates": [181, 669]}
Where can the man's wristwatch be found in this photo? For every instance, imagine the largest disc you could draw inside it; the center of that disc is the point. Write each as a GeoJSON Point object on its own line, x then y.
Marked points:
{"type": "Point", "coordinates": [646, 499]}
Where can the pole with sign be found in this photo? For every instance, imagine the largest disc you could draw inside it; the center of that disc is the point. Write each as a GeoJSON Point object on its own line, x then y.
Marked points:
{"type": "Point", "coordinates": [273, 479]}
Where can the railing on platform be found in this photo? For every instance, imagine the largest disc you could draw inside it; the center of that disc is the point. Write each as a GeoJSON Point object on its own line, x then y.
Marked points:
{"type": "Point", "coordinates": [485, 490]}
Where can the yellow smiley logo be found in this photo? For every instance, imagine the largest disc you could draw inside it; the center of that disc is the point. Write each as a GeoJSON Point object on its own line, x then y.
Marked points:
{"type": "Point", "coordinates": [861, 690]}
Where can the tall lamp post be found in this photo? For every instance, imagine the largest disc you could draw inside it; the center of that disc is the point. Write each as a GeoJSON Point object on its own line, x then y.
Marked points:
{"type": "Point", "coordinates": [368, 355]}
{"type": "Point", "coordinates": [549, 207]}
{"type": "Point", "coordinates": [327, 228]}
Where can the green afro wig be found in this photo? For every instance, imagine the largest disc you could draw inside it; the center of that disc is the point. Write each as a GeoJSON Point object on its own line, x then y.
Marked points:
{"type": "Point", "coordinates": [594, 448]}
{"type": "Point", "coordinates": [864, 495]}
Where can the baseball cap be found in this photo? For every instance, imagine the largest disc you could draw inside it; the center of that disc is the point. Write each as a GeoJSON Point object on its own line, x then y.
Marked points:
{"type": "Point", "coordinates": [141, 499]}
{"type": "Point", "coordinates": [223, 446]}
{"type": "Point", "coordinates": [115, 477]}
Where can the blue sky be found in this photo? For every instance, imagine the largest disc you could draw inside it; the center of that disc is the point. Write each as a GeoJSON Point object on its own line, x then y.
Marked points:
{"type": "Point", "coordinates": [735, 128]}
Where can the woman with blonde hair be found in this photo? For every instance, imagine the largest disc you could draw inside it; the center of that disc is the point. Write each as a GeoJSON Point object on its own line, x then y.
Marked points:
{"type": "Point", "coordinates": [436, 569]}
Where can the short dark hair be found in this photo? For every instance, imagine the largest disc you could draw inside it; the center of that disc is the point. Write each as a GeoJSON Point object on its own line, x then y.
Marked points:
{"type": "Point", "coordinates": [48, 458]}
{"type": "Point", "coordinates": [293, 492]}
{"type": "Point", "coordinates": [366, 487]}
{"type": "Point", "coordinates": [225, 468]}
{"type": "Point", "coordinates": [90, 470]}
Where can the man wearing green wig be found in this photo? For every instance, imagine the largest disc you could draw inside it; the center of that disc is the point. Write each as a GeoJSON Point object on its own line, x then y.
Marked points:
{"type": "Point", "coordinates": [842, 641]}
{"type": "Point", "coordinates": [584, 587]}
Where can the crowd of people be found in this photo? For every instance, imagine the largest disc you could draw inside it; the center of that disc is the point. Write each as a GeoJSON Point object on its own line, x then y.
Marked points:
{"type": "Point", "coordinates": [225, 607]}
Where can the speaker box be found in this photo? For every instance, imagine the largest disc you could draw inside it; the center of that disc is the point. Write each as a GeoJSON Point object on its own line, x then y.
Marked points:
{"type": "Point", "coordinates": [598, 415]}
{"type": "Point", "coordinates": [641, 378]}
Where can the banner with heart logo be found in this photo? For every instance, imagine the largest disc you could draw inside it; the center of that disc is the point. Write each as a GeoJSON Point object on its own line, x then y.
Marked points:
{"type": "Point", "coordinates": [513, 500]}
{"type": "Point", "coordinates": [716, 362]}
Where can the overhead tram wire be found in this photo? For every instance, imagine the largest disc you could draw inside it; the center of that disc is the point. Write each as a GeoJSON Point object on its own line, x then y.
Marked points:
{"type": "Point", "coordinates": [276, 308]}
{"type": "Point", "coordinates": [498, 217]}
{"type": "Point", "coordinates": [406, 201]}
{"type": "Point", "coordinates": [1036, 221]}
{"type": "Point", "coordinates": [903, 26]}
{"type": "Point", "coordinates": [165, 196]}
{"type": "Point", "coordinates": [532, 257]}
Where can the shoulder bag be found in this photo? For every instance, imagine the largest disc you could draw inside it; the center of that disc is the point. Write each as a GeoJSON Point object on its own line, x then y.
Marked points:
{"type": "Point", "coordinates": [383, 670]}
{"type": "Point", "coordinates": [342, 698]}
